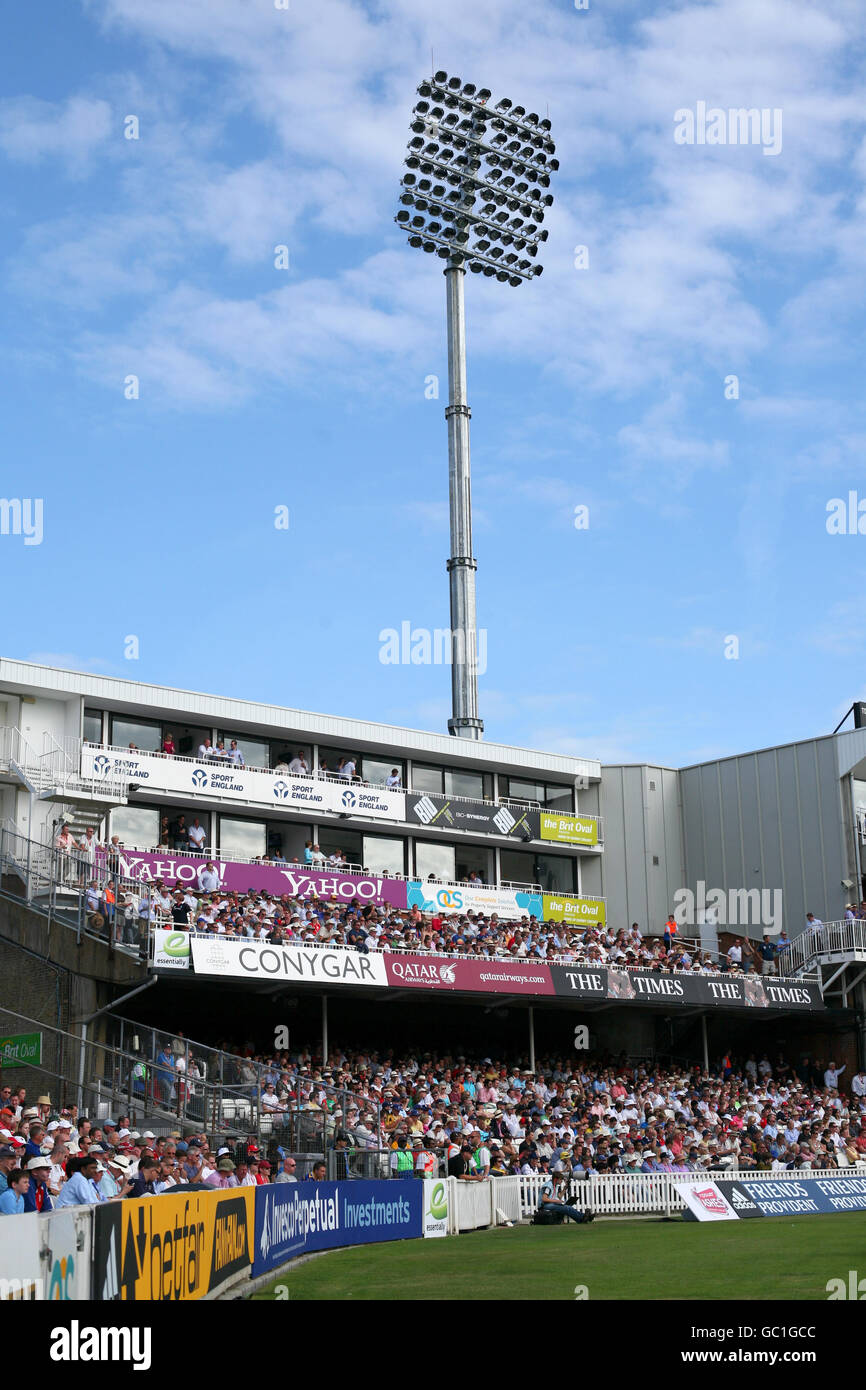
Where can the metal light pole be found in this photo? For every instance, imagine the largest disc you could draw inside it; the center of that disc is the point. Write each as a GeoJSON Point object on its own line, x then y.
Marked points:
{"type": "Point", "coordinates": [464, 721]}
{"type": "Point", "coordinates": [502, 156]}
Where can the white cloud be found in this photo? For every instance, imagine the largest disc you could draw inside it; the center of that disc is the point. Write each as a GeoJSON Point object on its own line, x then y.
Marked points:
{"type": "Point", "coordinates": [32, 130]}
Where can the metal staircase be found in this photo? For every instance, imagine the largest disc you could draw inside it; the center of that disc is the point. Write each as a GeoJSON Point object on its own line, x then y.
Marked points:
{"type": "Point", "coordinates": [55, 775]}
{"type": "Point", "coordinates": [837, 951]}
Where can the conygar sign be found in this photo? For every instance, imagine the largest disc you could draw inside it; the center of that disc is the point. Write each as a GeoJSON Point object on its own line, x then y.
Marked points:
{"type": "Point", "coordinates": [311, 965]}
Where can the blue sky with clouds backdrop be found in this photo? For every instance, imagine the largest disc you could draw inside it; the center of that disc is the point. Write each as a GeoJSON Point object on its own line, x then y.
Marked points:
{"type": "Point", "coordinates": [601, 386]}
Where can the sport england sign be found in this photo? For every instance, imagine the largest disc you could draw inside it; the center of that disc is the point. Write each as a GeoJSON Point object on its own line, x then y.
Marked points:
{"type": "Point", "coordinates": [155, 773]}
{"type": "Point", "coordinates": [253, 960]}
{"type": "Point", "coordinates": [295, 1218]}
{"type": "Point", "coordinates": [785, 1195]}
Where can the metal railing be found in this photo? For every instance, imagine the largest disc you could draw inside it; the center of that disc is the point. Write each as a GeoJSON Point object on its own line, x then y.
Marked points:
{"type": "Point", "coordinates": [56, 883]}
{"type": "Point", "coordinates": [426, 951]}
{"type": "Point", "coordinates": [163, 1081]}
{"type": "Point", "coordinates": [841, 937]}
{"type": "Point", "coordinates": [57, 770]}
{"type": "Point", "coordinates": [351, 870]}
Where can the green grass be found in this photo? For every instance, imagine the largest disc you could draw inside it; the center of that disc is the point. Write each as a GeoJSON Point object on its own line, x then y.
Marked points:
{"type": "Point", "coordinates": [778, 1257]}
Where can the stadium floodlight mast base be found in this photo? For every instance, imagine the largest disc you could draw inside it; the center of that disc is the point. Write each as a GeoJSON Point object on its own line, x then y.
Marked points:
{"type": "Point", "coordinates": [510, 169]}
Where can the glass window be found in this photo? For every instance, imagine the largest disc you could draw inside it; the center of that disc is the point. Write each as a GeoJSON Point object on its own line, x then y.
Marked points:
{"type": "Point", "coordinates": [517, 867]}
{"type": "Point", "coordinates": [187, 738]}
{"type": "Point", "coordinates": [92, 728]}
{"type": "Point", "coordinates": [288, 839]}
{"type": "Point", "coordinates": [518, 790]}
{"type": "Point", "coordinates": [245, 839]}
{"type": "Point", "coordinates": [145, 736]}
{"type": "Point", "coordinates": [468, 784]}
{"type": "Point", "coordinates": [255, 751]}
{"type": "Point", "coordinates": [555, 873]}
{"type": "Point", "coordinates": [434, 859]}
{"type": "Point", "coordinates": [329, 761]}
{"type": "Point", "coordinates": [427, 779]}
{"type": "Point", "coordinates": [559, 798]}
{"type": "Point", "coordinates": [137, 826]}
{"type": "Point", "coordinates": [473, 859]}
{"type": "Point", "coordinates": [348, 842]}
{"type": "Point", "coordinates": [376, 771]}
{"type": "Point", "coordinates": [383, 855]}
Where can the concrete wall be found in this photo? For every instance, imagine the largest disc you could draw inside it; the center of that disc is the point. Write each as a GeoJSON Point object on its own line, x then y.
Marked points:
{"type": "Point", "coordinates": [641, 810]}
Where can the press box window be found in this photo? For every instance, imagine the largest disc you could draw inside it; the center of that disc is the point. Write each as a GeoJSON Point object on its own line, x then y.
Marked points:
{"type": "Point", "coordinates": [92, 726]}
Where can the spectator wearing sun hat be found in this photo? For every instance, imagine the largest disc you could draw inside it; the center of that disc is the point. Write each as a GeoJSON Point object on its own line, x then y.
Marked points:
{"type": "Point", "coordinates": [37, 1197]}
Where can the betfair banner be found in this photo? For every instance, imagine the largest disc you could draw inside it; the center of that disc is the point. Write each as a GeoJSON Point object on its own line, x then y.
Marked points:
{"type": "Point", "coordinates": [178, 1246]}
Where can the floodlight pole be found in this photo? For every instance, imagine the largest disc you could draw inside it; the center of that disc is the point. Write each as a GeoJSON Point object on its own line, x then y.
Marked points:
{"type": "Point", "coordinates": [464, 721]}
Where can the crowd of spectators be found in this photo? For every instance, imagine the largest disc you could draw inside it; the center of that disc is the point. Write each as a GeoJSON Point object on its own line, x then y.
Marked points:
{"type": "Point", "coordinates": [425, 1114]}
{"type": "Point", "coordinates": [573, 1118]}
{"type": "Point", "coordinates": [260, 916]}
{"type": "Point", "coordinates": [50, 1160]}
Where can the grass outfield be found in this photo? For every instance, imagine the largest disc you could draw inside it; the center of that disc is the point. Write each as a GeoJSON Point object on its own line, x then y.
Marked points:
{"type": "Point", "coordinates": [776, 1257]}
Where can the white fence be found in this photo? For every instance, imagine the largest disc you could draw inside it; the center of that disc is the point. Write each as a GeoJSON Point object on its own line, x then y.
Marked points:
{"type": "Point", "coordinates": [475, 1204]}
{"type": "Point", "coordinates": [648, 1194]}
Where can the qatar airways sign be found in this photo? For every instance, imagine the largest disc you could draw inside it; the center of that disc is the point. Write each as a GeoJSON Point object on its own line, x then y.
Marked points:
{"type": "Point", "coordinates": [472, 975]}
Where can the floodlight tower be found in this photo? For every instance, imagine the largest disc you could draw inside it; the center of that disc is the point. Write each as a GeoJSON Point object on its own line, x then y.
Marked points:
{"type": "Point", "coordinates": [464, 153]}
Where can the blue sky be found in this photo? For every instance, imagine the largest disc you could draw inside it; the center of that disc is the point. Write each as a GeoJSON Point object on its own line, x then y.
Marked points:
{"type": "Point", "coordinates": [306, 388]}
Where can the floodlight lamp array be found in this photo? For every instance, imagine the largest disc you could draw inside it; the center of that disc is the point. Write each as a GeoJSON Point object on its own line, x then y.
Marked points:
{"type": "Point", "coordinates": [475, 188]}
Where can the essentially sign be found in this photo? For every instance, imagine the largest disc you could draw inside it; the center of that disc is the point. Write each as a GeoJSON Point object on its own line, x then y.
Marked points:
{"type": "Point", "coordinates": [170, 949]}
{"type": "Point", "coordinates": [435, 1208]}
{"type": "Point", "coordinates": [21, 1048]}
{"type": "Point", "coordinates": [574, 912]}
{"type": "Point", "coordinates": [179, 1246]}
{"type": "Point", "coordinates": [293, 879]}
{"type": "Point", "coordinates": [469, 897]}
{"type": "Point", "coordinates": [464, 973]}
{"type": "Point", "coordinates": [785, 1195]}
{"type": "Point", "coordinates": [153, 772]}
{"type": "Point", "coordinates": [256, 960]}
{"type": "Point", "coordinates": [567, 829]}
{"type": "Point", "coordinates": [295, 1218]}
